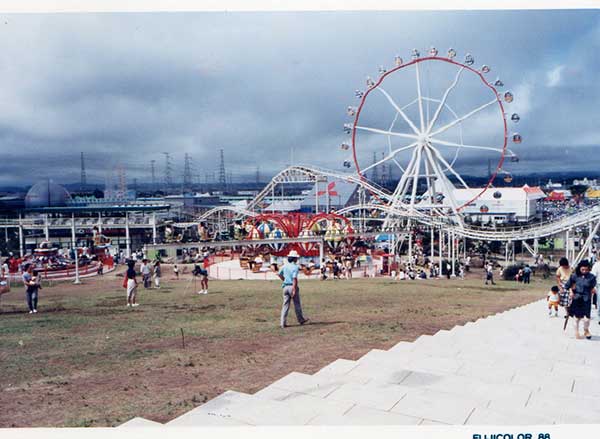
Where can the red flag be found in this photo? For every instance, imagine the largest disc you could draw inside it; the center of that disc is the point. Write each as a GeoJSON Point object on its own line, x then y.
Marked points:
{"type": "Point", "coordinates": [329, 190]}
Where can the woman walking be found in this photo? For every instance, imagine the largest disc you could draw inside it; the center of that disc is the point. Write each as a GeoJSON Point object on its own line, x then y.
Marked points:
{"type": "Point", "coordinates": [581, 287]}
{"type": "Point", "coordinates": [563, 273]}
{"type": "Point", "coordinates": [131, 284]}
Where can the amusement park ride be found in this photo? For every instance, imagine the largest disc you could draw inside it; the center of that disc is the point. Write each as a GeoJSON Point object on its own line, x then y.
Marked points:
{"type": "Point", "coordinates": [428, 125]}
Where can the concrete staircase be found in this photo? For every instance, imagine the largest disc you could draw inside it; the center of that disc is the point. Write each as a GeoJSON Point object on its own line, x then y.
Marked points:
{"type": "Point", "coordinates": [513, 368]}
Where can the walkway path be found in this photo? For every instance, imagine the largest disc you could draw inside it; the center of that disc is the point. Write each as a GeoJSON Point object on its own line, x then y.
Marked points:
{"type": "Point", "coordinates": [513, 368]}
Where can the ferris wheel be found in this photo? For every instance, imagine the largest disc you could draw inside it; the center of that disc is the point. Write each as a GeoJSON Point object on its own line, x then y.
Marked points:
{"type": "Point", "coordinates": [428, 120]}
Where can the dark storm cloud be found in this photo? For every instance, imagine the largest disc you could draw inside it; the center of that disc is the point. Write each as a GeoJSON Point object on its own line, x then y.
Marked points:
{"type": "Point", "coordinates": [126, 87]}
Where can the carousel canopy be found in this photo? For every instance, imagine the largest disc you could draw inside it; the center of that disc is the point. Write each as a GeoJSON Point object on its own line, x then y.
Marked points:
{"type": "Point", "coordinates": [283, 206]}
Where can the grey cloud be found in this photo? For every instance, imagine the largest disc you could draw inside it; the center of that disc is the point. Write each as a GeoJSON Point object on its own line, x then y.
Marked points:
{"type": "Point", "coordinates": [125, 87]}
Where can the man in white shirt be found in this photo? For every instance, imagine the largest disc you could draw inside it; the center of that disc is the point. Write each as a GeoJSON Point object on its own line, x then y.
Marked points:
{"type": "Point", "coordinates": [146, 274]}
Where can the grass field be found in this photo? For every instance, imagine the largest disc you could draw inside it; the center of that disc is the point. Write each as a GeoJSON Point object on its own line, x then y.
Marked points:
{"type": "Point", "coordinates": [87, 360]}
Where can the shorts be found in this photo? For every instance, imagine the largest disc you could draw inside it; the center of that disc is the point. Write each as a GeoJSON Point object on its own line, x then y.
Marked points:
{"type": "Point", "coordinates": [552, 303]}
{"type": "Point", "coordinates": [131, 287]}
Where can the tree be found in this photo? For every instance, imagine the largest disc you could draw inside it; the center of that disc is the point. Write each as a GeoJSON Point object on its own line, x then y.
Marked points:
{"type": "Point", "coordinates": [578, 190]}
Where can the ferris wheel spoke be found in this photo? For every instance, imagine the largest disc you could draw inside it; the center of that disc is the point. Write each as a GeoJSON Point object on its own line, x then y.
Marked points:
{"type": "Point", "coordinates": [415, 180]}
{"type": "Point", "coordinates": [443, 101]}
{"type": "Point", "coordinates": [390, 156]}
{"type": "Point", "coordinates": [449, 167]}
{"type": "Point", "coordinates": [445, 184]}
{"type": "Point", "coordinates": [460, 145]}
{"type": "Point", "coordinates": [465, 117]}
{"type": "Point", "coordinates": [399, 110]}
{"type": "Point", "coordinates": [419, 97]}
{"type": "Point", "coordinates": [398, 164]}
{"type": "Point", "coordinates": [387, 132]}
{"type": "Point", "coordinates": [400, 189]}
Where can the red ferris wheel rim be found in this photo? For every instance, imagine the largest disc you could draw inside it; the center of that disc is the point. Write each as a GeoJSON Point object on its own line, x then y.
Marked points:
{"type": "Point", "coordinates": [450, 61]}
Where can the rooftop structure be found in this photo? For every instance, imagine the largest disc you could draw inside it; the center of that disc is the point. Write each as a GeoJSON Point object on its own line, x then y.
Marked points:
{"type": "Point", "coordinates": [506, 204]}
{"type": "Point", "coordinates": [47, 194]}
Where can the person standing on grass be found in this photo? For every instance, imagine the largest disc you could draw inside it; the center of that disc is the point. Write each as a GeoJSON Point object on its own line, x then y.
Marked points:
{"type": "Point", "coordinates": [563, 273]}
{"type": "Point", "coordinates": [131, 284]}
{"type": "Point", "coordinates": [31, 288]}
{"type": "Point", "coordinates": [203, 274]}
{"type": "Point", "coordinates": [581, 287]}
{"type": "Point", "coordinates": [489, 274]}
{"type": "Point", "coordinates": [204, 280]}
{"type": "Point", "coordinates": [527, 274]}
{"type": "Point", "coordinates": [157, 274]}
{"type": "Point", "coordinates": [146, 274]}
{"type": "Point", "coordinates": [289, 275]}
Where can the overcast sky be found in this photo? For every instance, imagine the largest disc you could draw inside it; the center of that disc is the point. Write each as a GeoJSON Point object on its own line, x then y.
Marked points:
{"type": "Point", "coordinates": [127, 87]}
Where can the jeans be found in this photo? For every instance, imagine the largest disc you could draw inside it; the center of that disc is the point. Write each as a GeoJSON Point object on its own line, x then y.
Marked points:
{"type": "Point", "coordinates": [32, 299]}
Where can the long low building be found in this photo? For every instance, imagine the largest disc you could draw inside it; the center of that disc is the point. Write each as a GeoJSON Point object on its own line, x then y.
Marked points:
{"type": "Point", "coordinates": [499, 205]}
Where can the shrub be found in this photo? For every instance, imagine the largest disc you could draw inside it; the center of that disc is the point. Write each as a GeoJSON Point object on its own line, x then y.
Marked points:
{"type": "Point", "coordinates": [511, 271]}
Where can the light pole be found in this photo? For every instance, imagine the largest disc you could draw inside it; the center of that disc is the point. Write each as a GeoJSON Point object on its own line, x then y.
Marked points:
{"type": "Point", "coordinates": [74, 240]}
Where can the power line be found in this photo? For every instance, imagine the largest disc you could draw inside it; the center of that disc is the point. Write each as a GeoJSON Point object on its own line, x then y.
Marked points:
{"type": "Point", "coordinates": [168, 171]}
{"type": "Point", "coordinates": [153, 171]}
{"type": "Point", "coordinates": [187, 172]}
{"type": "Point", "coordinates": [83, 174]}
{"type": "Point", "coordinates": [222, 173]}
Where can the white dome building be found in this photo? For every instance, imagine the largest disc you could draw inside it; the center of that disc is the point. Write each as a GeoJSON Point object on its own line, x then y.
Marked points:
{"type": "Point", "coordinates": [46, 194]}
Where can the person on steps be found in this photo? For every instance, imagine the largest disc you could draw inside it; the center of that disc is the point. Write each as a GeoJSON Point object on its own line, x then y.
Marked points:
{"type": "Point", "coordinates": [581, 286]}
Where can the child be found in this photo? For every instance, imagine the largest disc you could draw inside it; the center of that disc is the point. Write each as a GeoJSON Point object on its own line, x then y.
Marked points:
{"type": "Point", "coordinates": [176, 271]}
{"type": "Point", "coordinates": [553, 300]}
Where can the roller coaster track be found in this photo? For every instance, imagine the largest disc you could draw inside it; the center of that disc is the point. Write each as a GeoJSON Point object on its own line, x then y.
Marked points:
{"type": "Point", "coordinates": [239, 211]}
{"type": "Point", "coordinates": [583, 217]}
{"type": "Point", "coordinates": [312, 174]}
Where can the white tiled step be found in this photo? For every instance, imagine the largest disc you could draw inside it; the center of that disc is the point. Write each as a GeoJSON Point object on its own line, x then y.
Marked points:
{"type": "Point", "coordinates": [140, 422]}
{"type": "Point", "coordinates": [366, 416]}
{"type": "Point", "coordinates": [517, 367]}
{"type": "Point", "coordinates": [234, 408]}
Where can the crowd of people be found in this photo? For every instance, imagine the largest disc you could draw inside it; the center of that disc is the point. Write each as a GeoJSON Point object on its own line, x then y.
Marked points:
{"type": "Point", "coordinates": [575, 290]}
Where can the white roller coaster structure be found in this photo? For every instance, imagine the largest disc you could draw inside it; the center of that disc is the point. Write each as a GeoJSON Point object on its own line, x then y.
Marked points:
{"type": "Point", "coordinates": [589, 217]}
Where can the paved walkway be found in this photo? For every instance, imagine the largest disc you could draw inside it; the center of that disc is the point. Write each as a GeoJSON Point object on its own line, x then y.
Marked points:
{"type": "Point", "coordinates": [513, 368]}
